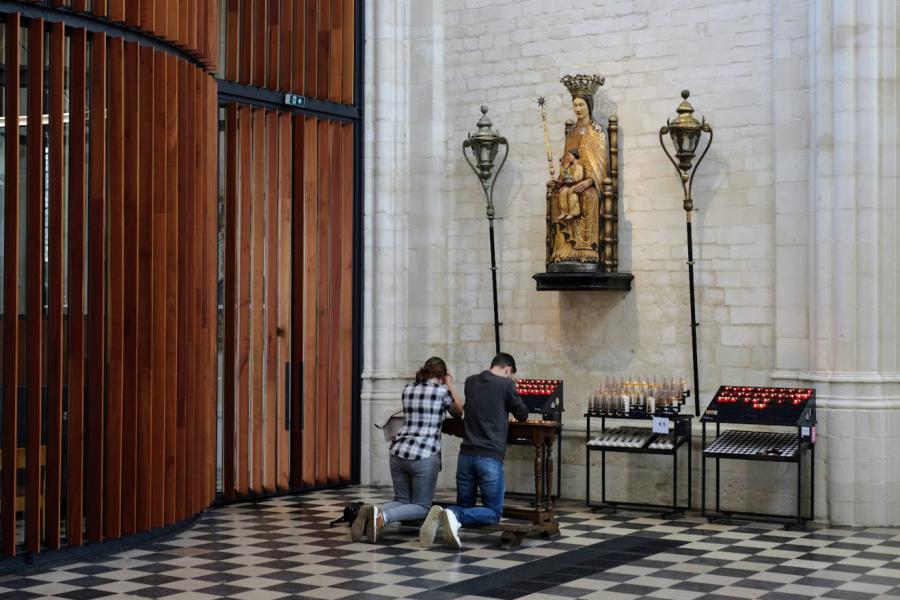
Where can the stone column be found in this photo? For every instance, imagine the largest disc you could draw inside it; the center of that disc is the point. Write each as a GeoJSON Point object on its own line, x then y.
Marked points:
{"type": "Point", "coordinates": [836, 254]}
{"type": "Point", "coordinates": [405, 294]}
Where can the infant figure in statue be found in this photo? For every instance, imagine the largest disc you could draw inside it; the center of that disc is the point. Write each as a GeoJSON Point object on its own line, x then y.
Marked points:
{"type": "Point", "coordinates": [571, 172]}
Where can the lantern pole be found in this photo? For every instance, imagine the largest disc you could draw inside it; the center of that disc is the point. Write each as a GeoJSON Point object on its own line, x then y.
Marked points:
{"type": "Point", "coordinates": [483, 146]}
{"type": "Point", "coordinates": [685, 134]}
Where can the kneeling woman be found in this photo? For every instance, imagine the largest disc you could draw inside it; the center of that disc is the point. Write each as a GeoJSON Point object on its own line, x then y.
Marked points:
{"type": "Point", "coordinates": [415, 451]}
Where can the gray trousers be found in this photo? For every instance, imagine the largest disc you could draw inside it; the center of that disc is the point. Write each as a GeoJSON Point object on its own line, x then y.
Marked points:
{"type": "Point", "coordinates": [414, 483]}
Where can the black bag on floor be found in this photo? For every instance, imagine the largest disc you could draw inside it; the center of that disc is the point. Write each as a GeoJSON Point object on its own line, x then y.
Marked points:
{"type": "Point", "coordinates": [350, 513]}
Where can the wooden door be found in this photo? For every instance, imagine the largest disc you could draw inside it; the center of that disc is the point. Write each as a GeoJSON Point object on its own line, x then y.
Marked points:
{"type": "Point", "coordinates": [287, 311]}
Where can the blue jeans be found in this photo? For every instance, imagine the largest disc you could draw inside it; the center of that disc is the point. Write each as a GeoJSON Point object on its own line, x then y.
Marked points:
{"type": "Point", "coordinates": [414, 482]}
{"type": "Point", "coordinates": [486, 474]}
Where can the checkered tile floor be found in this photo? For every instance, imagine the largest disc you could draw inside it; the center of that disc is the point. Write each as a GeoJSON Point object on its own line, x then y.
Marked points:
{"type": "Point", "coordinates": [284, 548]}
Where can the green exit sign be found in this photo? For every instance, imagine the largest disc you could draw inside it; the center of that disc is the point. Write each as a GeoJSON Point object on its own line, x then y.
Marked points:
{"type": "Point", "coordinates": [294, 100]}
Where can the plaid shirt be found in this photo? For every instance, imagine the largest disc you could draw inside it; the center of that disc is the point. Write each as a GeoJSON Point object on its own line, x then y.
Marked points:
{"type": "Point", "coordinates": [424, 405]}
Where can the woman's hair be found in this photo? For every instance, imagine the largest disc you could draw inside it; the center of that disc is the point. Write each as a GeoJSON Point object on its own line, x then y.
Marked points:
{"type": "Point", "coordinates": [589, 100]}
{"type": "Point", "coordinates": [434, 368]}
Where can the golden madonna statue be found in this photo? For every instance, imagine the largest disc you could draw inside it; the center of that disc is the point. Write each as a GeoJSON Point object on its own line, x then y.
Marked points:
{"type": "Point", "coordinates": [580, 198]}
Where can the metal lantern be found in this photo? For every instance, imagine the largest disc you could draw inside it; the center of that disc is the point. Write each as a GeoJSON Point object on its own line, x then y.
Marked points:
{"type": "Point", "coordinates": [685, 134]}
{"type": "Point", "coordinates": [685, 131]}
{"type": "Point", "coordinates": [483, 145]}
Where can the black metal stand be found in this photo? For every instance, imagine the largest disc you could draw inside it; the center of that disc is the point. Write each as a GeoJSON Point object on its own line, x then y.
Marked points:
{"type": "Point", "coordinates": [494, 282]}
{"type": "Point", "coordinates": [694, 323]}
{"type": "Point", "coordinates": [788, 520]}
{"type": "Point", "coordinates": [682, 438]}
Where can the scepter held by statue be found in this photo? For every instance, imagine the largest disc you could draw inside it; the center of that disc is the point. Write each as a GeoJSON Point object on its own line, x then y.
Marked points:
{"type": "Point", "coordinates": [541, 101]}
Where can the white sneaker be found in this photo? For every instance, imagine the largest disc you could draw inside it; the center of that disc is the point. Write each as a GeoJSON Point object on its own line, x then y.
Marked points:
{"type": "Point", "coordinates": [450, 529]}
{"type": "Point", "coordinates": [430, 526]}
{"type": "Point", "coordinates": [375, 523]}
{"type": "Point", "coordinates": [358, 528]}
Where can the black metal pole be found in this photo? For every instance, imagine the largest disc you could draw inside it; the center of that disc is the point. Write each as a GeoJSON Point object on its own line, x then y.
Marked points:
{"type": "Point", "coordinates": [494, 282]}
{"type": "Point", "coordinates": [694, 323]}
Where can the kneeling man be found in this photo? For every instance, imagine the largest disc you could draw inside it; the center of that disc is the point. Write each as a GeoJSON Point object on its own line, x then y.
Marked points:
{"type": "Point", "coordinates": [490, 398]}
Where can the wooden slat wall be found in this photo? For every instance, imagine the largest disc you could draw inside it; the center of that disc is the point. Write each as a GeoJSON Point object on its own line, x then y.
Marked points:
{"type": "Point", "coordinates": [113, 333]}
{"type": "Point", "coordinates": [301, 46]}
{"type": "Point", "coordinates": [193, 25]}
{"type": "Point", "coordinates": [126, 351]}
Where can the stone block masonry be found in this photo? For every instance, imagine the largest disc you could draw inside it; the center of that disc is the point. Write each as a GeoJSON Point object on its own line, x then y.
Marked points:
{"type": "Point", "coordinates": [795, 234]}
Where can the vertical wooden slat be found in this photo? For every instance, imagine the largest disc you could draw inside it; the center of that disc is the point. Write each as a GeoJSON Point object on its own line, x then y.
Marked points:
{"type": "Point", "coordinates": [298, 295]}
{"type": "Point", "coordinates": [211, 162]}
{"type": "Point", "coordinates": [311, 45]}
{"type": "Point", "coordinates": [259, 43]}
{"type": "Point", "coordinates": [233, 40]}
{"type": "Point", "coordinates": [298, 80]}
{"type": "Point", "coordinates": [336, 46]}
{"type": "Point", "coordinates": [199, 383]}
{"type": "Point", "coordinates": [10, 289]}
{"type": "Point", "coordinates": [271, 294]}
{"type": "Point", "coordinates": [216, 38]}
{"type": "Point", "coordinates": [34, 283]}
{"type": "Point", "coordinates": [285, 181]}
{"type": "Point", "coordinates": [160, 18]}
{"type": "Point", "coordinates": [229, 350]}
{"type": "Point", "coordinates": [247, 45]}
{"type": "Point", "coordinates": [257, 234]}
{"type": "Point", "coordinates": [323, 301]}
{"type": "Point", "coordinates": [311, 439]}
{"type": "Point", "coordinates": [96, 351]}
{"type": "Point", "coordinates": [171, 298]}
{"type": "Point", "coordinates": [98, 7]}
{"type": "Point", "coordinates": [243, 363]}
{"type": "Point", "coordinates": [79, 5]}
{"type": "Point", "coordinates": [190, 242]}
{"type": "Point", "coordinates": [346, 159]}
{"type": "Point", "coordinates": [131, 268]}
{"type": "Point", "coordinates": [133, 13]}
{"type": "Point", "coordinates": [208, 283]}
{"type": "Point", "coordinates": [145, 414]}
{"type": "Point", "coordinates": [324, 63]}
{"type": "Point", "coordinates": [182, 36]}
{"type": "Point", "coordinates": [116, 10]}
{"type": "Point", "coordinates": [184, 173]}
{"type": "Point", "coordinates": [75, 462]}
{"type": "Point", "coordinates": [332, 205]}
{"type": "Point", "coordinates": [147, 15]}
{"type": "Point", "coordinates": [116, 304]}
{"type": "Point", "coordinates": [158, 349]}
{"type": "Point", "coordinates": [273, 34]}
{"type": "Point", "coordinates": [56, 166]}
{"type": "Point", "coordinates": [349, 51]}
{"type": "Point", "coordinates": [286, 60]}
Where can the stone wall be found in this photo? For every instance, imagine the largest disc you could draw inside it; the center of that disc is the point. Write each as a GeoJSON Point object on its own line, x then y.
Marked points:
{"type": "Point", "coordinates": [781, 207]}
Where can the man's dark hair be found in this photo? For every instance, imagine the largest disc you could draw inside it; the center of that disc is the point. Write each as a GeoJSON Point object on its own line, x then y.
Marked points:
{"type": "Point", "coordinates": [504, 360]}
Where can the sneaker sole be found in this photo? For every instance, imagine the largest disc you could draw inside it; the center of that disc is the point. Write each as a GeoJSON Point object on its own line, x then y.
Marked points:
{"type": "Point", "coordinates": [450, 539]}
{"type": "Point", "coordinates": [358, 528]}
{"type": "Point", "coordinates": [371, 528]}
{"type": "Point", "coordinates": [430, 526]}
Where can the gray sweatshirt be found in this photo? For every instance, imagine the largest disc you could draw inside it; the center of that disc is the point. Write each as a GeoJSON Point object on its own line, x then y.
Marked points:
{"type": "Point", "coordinates": [489, 399]}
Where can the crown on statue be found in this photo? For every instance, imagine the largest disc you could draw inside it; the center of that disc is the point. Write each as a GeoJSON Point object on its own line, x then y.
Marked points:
{"type": "Point", "coordinates": [582, 85]}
